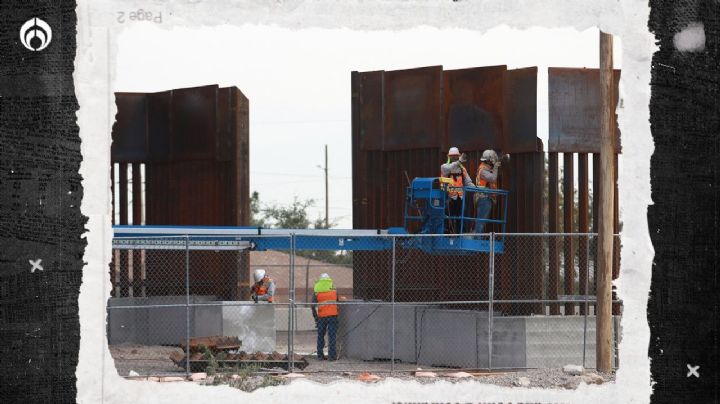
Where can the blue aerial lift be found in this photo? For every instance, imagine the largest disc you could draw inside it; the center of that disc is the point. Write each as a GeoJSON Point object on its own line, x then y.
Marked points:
{"type": "Point", "coordinates": [425, 207]}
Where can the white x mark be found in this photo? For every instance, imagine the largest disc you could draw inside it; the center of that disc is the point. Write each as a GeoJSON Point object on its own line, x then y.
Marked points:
{"type": "Point", "coordinates": [693, 371]}
{"type": "Point", "coordinates": [35, 265]}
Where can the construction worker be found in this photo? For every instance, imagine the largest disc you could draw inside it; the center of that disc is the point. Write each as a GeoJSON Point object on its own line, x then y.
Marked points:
{"type": "Point", "coordinates": [325, 312]}
{"type": "Point", "coordinates": [457, 176]}
{"type": "Point", "coordinates": [487, 177]}
{"type": "Point", "coordinates": [264, 287]}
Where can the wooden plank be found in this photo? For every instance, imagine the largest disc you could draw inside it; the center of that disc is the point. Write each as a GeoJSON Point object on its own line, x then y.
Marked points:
{"type": "Point", "coordinates": [553, 227]}
{"type": "Point", "coordinates": [604, 336]}
{"type": "Point", "coordinates": [568, 227]}
{"type": "Point", "coordinates": [616, 240]}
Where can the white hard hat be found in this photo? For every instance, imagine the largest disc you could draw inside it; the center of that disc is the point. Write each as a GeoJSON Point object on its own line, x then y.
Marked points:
{"type": "Point", "coordinates": [454, 151]}
{"type": "Point", "coordinates": [489, 155]}
{"type": "Point", "coordinates": [324, 276]}
{"type": "Point", "coordinates": [259, 274]}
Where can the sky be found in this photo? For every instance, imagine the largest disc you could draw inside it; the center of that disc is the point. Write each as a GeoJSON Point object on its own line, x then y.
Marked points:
{"type": "Point", "coordinates": [298, 84]}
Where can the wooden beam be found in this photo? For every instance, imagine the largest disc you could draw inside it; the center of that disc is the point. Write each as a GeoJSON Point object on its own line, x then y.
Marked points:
{"type": "Point", "coordinates": [603, 327]}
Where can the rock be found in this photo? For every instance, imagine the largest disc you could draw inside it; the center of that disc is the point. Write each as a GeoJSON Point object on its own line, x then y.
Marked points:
{"type": "Point", "coordinates": [133, 373]}
{"type": "Point", "coordinates": [458, 375]}
{"type": "Point", "coordinates": [573, 370]}
{"type": "Point", "coordinates": [572, 383]}
{"type": "Point", "coordinates": [522, 382]}
{"type": "Point", "coordinates": [368, 377]}
{"type": "Point", "coordinates": [234, 377]}
{"type": "Point", "coordinates": [198, 376]}
{"type": "Point", "coordinates": [593, 378]}
{"type": "Point", "coordinates": [425, 374]}
{"type": "Point", "coordinates": [171, 379]}
{"type": "Point", "coordinates": [346, 373]}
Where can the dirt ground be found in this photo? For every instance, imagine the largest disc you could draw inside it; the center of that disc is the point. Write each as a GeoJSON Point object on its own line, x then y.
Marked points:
{"type": "Point", "coordinates": [155, 361]}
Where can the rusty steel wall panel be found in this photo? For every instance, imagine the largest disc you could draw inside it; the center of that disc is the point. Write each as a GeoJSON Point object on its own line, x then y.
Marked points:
{"type": "Point", "coordinates": [193, 122]}
{"type": "Point", "coordinates": [412, 108]}
{"type": "Point", "coordinates": [224, 140]}
{"type": "Point", "coordinates": [129, 132]}
{"type": "Point", "coordinates": [197, 176]}
{"type": "Point", "coordinates": [159, 130]}
{"type": "Point", "coordinates": [371, 110]}
{"type": "Point", "coordinates": [474, 107]}
{"type": "Point", "coordinates": [574, 107]}
{"type": "Point", "coordinates": [520, 111]}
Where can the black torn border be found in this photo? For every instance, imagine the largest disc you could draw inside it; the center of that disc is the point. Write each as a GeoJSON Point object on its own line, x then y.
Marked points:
{"type": "Point", "coordinates": [685, 218]}
{"type": "Point", "coordinates": [40, 218]}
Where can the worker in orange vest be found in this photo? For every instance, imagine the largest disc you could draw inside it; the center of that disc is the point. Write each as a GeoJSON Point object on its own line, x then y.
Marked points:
{"type": "Point", "coordinates": [325, 312]}
{"type": "Point", "coordinates": [458, 177]}
{"type": "Point", "coordinates": [264, 287]}
{"type": "Point", "coordinates": [487, 177]}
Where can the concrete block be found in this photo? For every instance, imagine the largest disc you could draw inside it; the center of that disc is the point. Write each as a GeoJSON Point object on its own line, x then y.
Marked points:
{"type": "Point", "coordinates": [304, 320]}
{"type": "Point", "coordinates": [509, 343]}
{"type": "Point", "coordinates": [447, 338]}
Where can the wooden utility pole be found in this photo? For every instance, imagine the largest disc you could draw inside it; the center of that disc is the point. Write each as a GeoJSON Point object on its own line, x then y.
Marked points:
{"type": "Point", "coordinates": [603, 328]}
{"type": "Point", "coordinates": [327, 196]}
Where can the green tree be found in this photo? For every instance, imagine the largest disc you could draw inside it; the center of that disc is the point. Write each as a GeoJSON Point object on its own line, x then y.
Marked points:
{"type": "Point", "coordinates": [295, 217]}
{"type": "Point", "coordinates": [256, 219]}
{"type": "Point", "coordinates": [289, 217]}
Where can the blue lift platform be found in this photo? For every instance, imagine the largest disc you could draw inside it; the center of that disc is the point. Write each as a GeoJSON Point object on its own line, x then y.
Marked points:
{"type": "Point", "coordinates": [427, 197]}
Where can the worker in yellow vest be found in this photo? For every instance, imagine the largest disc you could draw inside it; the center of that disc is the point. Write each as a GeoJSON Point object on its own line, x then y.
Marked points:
{"type": "Point", "coordinates": [325, 312]}
{"type": "Point", "coordinates": [458, 177]}
{"type": "Point", "coordinates": [264, 287]}
{"type": "Point", "coordinates": [487, 177]}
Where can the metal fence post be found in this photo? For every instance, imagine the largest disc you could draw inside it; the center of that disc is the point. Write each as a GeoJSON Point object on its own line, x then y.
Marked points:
{"type": "Point", "coordinates": [392, 358]}
{"type": "Point", "coordinates": [491, 283]}
{"type": "Point", "coordinates": [291, 307]}
{"type": "Point", "coordinates": [187, 305]}
{"type": "Point", "coordinates": [587, 293]}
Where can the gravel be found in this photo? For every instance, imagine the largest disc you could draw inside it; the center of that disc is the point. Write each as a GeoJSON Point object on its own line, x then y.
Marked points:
{"type": "Point", "coordinates": [154, 361]}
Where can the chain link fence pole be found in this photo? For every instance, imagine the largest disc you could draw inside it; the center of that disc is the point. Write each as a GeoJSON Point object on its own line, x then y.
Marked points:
{"type": "Point", "coordinates": [291, 307]}
{"type": "Point", "coordinates": [491, 287]}
{"type": "Point", "coordinates": [392, 297]}
{"type": "Point", "coordinates": [187, 305]}
{"type": "Point", "coordinates": [586, 311]}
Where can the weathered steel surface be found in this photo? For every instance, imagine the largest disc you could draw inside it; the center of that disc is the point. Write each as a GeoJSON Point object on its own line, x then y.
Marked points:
{"type": "Point", "coordinates": [520, 121]}
{"type": "Point", "coordinates": [159, 120]}
{"type": "Point", "coordinates": [569, 227]}
{"type": "Point", "coordinates": [574, 106]}
{"type": "Point", "coordinates": [195, 145]}
{"type": "Point", "coordinates": [583, 224]}
{"type": "Point", "coordinates": [474, 107]}
{"type": "Point", "coordinates": [553, 227]}
{"type": "Point", "coordinates": [129, 132]}
{"type": "Point", "coordinates": [193, 123]}
{"type": "Point", "coordinates": [412, 108]}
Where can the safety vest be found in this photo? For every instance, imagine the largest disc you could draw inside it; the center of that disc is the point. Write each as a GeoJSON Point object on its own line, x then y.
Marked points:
{"type": "Point", "coordinates": [456, 183]}
{"type": "Point", "coordinates": [261, 290]}
{"type": "Point", "coordinates": [325, 306]}
{"type": "Point", "coordinates": [481, 182]}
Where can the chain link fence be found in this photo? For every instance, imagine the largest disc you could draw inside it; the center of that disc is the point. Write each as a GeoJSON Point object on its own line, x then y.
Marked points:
{"type": "Point", "coordinates": [490, 301]}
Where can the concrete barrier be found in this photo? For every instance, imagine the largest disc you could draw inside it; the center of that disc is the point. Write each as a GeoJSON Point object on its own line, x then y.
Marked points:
{"type": "Point", "coordinates": [253, 324]}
